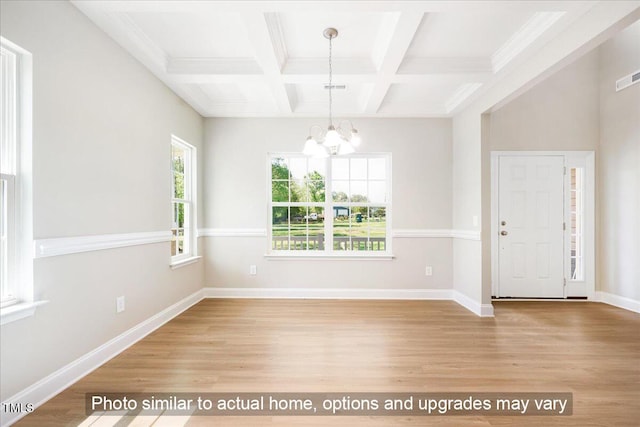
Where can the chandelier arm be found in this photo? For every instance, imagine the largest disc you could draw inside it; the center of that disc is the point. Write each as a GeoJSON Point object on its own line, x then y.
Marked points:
{"type": "Point", "coordinates": [320, 132]}
{"type": "Point", "coordinates": [351, 127]}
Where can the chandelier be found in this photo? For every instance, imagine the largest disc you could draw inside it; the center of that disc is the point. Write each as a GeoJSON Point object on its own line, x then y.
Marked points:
{"type": "Point", "coordinates": [335, 140]}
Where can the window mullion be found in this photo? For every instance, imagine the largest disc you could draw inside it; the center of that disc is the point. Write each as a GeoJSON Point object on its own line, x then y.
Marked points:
{"type": "Point", "coordinates": [328, 210]}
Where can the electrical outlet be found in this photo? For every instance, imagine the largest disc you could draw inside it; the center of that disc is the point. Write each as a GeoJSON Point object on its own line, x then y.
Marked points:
{"type": "Point", "coordinates": [253, 270]}
{"type": "Point", "coordinates": [120, 304]}
{"type": "Point", "coordinates": [428, 271]}
{"type": "Point", "coordinates": [475, 220]}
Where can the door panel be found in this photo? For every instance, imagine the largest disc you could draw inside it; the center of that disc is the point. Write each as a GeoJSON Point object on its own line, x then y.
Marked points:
{"type": "Point", "coordinates": [530, 214]}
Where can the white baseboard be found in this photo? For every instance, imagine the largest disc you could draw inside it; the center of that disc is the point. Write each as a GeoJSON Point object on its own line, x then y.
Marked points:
{"type": "Point", "coordinates": [329, 293]}
{"type": "Point", "coordinates": [482, 310]}
{"type": "Point", "coordinates": [618, 301]}
{"type": "Point", "coordinates": [46, 388]}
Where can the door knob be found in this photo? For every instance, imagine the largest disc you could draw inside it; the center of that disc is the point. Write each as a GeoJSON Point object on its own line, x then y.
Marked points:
{"type": "Point", "coordinates": [503, 233]}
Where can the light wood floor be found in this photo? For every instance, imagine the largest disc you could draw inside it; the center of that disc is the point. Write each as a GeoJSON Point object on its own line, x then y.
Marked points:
{"type": "Point", "coordinates": [591, 350]}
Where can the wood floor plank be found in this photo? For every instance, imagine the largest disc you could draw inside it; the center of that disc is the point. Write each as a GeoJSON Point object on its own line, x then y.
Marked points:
{"type": "Point", "coordinates": [301, 346]}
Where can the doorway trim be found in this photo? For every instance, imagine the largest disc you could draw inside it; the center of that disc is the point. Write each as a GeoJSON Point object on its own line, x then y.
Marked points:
{"type": "Point", "coordinates": [572, 159]}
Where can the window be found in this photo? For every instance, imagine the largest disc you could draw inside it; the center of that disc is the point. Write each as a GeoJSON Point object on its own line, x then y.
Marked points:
{"type": "Point", "coordinates": [577, 223]}
{"type": "Point", "coordinates": [183, 201]}
{"type": "Point", "coordinates": [7, 237]}
{"type": "Point", "coordinates": [16, 229]}
{"type": "Point", "coordinates": [330, 206]}
{"type": "Point", "coordinates": [8, 174]}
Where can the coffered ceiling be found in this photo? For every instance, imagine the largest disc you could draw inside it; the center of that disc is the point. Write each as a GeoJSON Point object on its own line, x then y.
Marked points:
{"type": "Point", "coordinates": [270, 59]}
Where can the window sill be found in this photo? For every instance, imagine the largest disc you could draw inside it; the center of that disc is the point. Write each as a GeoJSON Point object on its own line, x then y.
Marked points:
{"type": "Point", "coordinates": [347, 256]}
{"type": "Point", "coordinates": [183, 262]}
{"type": "Point", "coordinates": [19, 311]}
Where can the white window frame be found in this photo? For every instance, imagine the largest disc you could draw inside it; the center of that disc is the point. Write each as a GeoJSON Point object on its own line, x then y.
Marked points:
{"type": "Point", "coordinates": [584, 160]}
{"type": "Point", "coordinates": [17, 152]}
{"type": "Point", "coordinates": [329, 252]}
{"type": "Point", "coordinates": [190, 245]}
{"type": "Point", "coordinates": [9, 147]}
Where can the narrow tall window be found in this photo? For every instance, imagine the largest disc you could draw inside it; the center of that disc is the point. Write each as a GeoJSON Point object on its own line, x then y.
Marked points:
{"type": "Point", "coordinates": [8, 177]}
{"type": "Point", "coordinates": [335, 205]}
{"type": "Point", "coordinates": [577, 223]}
{"type": "Point", "coordinates": [16, 207]}
{"type": "Point", "coordinates": [183, 158]}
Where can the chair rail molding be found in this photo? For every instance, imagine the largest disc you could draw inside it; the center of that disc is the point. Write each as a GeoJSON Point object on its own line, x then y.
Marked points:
{"type": "Point", "coordinates": [71, 245]}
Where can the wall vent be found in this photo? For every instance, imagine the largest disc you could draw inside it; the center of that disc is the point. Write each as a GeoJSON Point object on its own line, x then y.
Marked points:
{"type": "Point", "coordinates": [627, 81]}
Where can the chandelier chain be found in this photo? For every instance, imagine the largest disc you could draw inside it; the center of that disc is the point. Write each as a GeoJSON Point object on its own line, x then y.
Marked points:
{"type": "Point", "coordinates": [332, 141]}
{"type": "Point", "coordinates": [330, 82]}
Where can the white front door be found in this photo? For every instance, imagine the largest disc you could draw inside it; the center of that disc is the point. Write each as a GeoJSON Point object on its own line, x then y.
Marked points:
{"type": "Point", "coordinates": [530, 216]}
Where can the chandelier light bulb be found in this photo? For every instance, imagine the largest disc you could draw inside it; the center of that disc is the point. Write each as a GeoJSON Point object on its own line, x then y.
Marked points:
{"type": "Point", "coordinates": [332, 138]}
{"type": "Point", "coordinates": [310, 147]}
{"type": "Point", "coordinates": [346, 148]}
{"type": "Point", "coordinates": [355, 138]}
{"type": "Point", "coordinates": [321, 152]}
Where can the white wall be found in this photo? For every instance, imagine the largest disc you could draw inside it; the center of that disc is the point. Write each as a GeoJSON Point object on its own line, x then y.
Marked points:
{"type": "Point", "coordinates": [577, 108]}
{"type": "Point", "coordinates": [471, 134]}
{"type": "Point", "coordinates": [560, 113]}
{"type": "Point", "coordinates": [467, 197]}
{"type": "Point", "coordinates": [618, 168]}
{"type": "Point", "coordinates": [236, 196]}
{"type": "Point", "coordinates": [101, 154]}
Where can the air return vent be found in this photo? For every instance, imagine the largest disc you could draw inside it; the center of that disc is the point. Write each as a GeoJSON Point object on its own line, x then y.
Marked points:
{"type": "Point", "coordinates": [627, 81]}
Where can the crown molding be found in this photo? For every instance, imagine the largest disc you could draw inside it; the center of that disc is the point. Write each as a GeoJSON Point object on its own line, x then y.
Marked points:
{"type": "Point", "coordinates": [521, 39]}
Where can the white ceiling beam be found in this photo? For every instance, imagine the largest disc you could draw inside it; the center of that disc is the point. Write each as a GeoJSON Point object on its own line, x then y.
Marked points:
{"type": "Point", "coordinates": [287, 79]}
{"type": "Point", "coordinates": [449, 65]}
{"type": "Point", "coordinates": [460, 95]}
{"type": "Point", "coordinates": [322, 79]}
{"type": "Point", "coordinates": [424, 6]}
{"type": "Point", "coordinates": [426, 78]}
{"type": "Point", "coordinates": [405, 29]}
{"type": "Point", "coordinates": [317, 79]}
{"type": "Point", "coordinates": [199, 79]}
{"type": "Point", "coordinates": [198, 97]}
{"type": "Point", "coordinates": [342, 67]}
{"type": "Point", "coordinates": [320, 66]}
{"type": "Point", "coordinates": [266, 37]}
{"type": "Point", "coordinates": [213, 66]}
{"type": "Point", "coordinates": [532, 29]}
